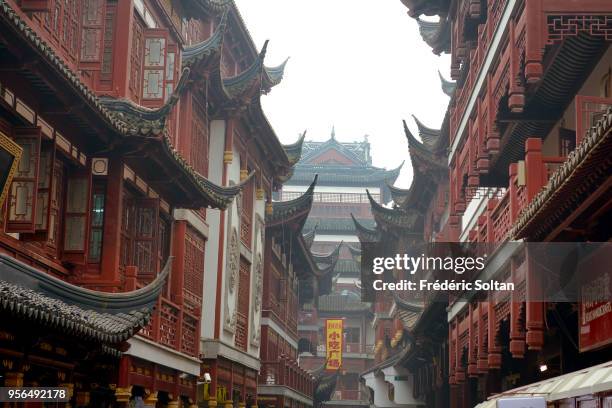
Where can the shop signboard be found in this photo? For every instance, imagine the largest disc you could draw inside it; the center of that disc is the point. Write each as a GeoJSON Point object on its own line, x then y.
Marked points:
{"type": "Point", "coordinates": [334, 336]}
{"type": "Point", "coordinates": [595, 311]}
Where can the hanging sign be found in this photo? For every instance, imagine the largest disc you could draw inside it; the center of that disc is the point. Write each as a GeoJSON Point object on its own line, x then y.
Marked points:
{"type": "Point", "coordinates": [334, 334]}
{"type": "Point", "coordinates": [10, 153]}
{"type": "Point", "coordinates": [595, 309]}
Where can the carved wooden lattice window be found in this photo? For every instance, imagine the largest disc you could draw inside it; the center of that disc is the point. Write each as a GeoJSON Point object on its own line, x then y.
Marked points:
{"type": "Point", "coordinates": [45, 175]}
{"type": "Point", "coordinates": [22, 193]}
{"type": "Point", "coordinates": [154, 63]}
{"type": "Point", "coordinates": [242, 322]}
{"type": "Point", "coordinates": [76, 214]}
{"type": "Point", "coordinates": [136, 57]}
{"type": "Point", "coordinates": [106, 71]}
{"type": "Point", "coordinates": [199, 138]}
{"type": "Point", "coordinates": [70, 24]}
{"type": "Point", "coordinates": [194, 269]}
{"type": "Point", "coordinates": [140, 235]}
{"type": "Point", "coordinates": [91, 33]}
{"type": "Point", "coordinates": [55, 205]}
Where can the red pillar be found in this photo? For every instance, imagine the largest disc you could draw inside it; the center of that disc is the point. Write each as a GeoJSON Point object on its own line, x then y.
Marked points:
{"type": "Point", "coordinates": [534, 41]}
{"type": "Point", "coordinates": [113, 207]}
{"type": "Point", "coordinates": [534, 167]}
{"type": "Point", "coordinates": [517, 336]}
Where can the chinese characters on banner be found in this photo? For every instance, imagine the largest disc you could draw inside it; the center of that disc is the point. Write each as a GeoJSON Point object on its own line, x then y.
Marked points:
{"type": "Point", "coordinates": [333, 343]}
{"type": "Point", "coordinates": [596, 306]}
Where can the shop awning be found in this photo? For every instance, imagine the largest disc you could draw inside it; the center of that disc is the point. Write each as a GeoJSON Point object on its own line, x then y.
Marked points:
{"type": "Point", "coordinates": [589, 381]}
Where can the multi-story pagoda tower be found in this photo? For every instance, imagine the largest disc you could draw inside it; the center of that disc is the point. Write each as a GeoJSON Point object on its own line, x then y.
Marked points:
{"type": "Point", "coordinates": [345, 176]}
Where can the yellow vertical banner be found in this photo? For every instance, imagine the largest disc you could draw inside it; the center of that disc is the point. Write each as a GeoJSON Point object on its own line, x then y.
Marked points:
{"type": "Point", "coordinates": [333, 343]}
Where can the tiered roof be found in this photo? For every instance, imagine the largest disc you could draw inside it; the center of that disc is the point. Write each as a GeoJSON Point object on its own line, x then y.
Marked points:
{"type": "Point", "coordinates": [31, 295]}
{"type": "Point", "coordinates": [356, 169]}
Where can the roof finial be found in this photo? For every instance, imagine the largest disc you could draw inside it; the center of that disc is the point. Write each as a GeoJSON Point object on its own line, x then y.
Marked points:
{"type": "Point", "coordinates": [333, 132]}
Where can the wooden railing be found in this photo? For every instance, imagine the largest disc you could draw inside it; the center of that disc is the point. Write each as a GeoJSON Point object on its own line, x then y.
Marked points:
{"type": "Point", "coordinates": [286, 372]}
{"type": "Point", "coordinates": [526, 180]}
{"type": "Point", "coordinates": [171, 325]}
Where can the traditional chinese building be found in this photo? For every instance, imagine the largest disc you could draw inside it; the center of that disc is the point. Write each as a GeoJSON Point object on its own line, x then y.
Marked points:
{"type": "Point", "coordinates": [344, 171]}
{"type": "Point", "coordinates": [411, 346]}
{"type": "Point", "coordinates": [141, 137]}
{"type": "Point", "coordinates": [529, 115]}
{"type": "Point", "coordinates": [292, 277]}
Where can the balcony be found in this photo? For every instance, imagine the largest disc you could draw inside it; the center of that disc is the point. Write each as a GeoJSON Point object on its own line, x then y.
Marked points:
{"type": "Point", "coordinates": [170, 324]}
{"type": "Point", "coordinates": [528, 177]}
{"type": "Point", "coordinates": [489, 103]}
{"type": "Point", "coordinates": [526, 180]}
{"type": "Point", "coordinates": [286, 372]}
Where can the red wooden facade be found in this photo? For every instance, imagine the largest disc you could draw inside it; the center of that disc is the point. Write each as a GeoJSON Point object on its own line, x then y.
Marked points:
{"type": "Point", "coordinates": [528, 118]}
{"type": "Point", "coordinates": [112, 103]}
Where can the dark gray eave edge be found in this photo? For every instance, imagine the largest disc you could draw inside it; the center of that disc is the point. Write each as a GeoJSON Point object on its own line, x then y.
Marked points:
{"type": "Point", "coordinates": [18, 273]}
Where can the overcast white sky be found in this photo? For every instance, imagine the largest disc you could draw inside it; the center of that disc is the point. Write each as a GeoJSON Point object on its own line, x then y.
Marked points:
{"type": "Point", "coordinates": [360, 65]}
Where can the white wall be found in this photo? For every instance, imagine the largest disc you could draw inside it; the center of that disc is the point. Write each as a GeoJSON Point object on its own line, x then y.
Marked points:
{"type": "Point", "coordinates": [213, 217]}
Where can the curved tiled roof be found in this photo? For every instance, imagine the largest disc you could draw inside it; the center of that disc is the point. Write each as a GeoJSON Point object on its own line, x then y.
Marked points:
{"type": "Point", "coordinates": [436, 34]}
{"type": "Point", "coordinates": [294, 150]}
{"type": "Point", "coordinates": [140, 120]}
{"type": "Point", "coordinates": [124, 117]}
{"type": "Point", "coordinates": [27, 293]}
{"type": "Point", "coordinates": [349, 175]}
{"type": "Point", "coordinates": [309, 237]}
{"type": "Point", "coordinates": [364, 233]}
{"type": "Point", "coordinates": [427, 7]}
{"type": "Point", "coordinates": [295, 210]}
{"type": "Point", "coordinates": [393, 217]}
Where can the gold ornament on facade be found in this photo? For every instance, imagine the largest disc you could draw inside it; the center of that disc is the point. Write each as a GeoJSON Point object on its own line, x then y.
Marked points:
{"type": "Point", "coordinates": [228, 156]}
{"type": "Point", "coordinates": [269, 209]}
{"type": "Point", "coordinates": [13, 379]}
{"type": "Point", "coordinates": [244, 173]}
{"type": "Point", "coordinates": [259, 194]}
{"type": "Point", "coordinates": [82, 398]}
{"type": "Point", "coordinates": [123, 394]}
{"type": "Point", "coordinates": [397, 338]}
{"type": "Point", "coordinates": [151, 398]}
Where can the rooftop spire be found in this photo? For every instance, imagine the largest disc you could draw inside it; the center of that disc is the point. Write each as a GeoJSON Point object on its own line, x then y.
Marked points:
{"type": "Point", "coordinates": [333, 132]}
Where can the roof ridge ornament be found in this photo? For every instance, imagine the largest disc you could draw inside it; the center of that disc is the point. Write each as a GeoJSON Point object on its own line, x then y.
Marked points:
{"type": "Point", "coordinates": [294, 150]}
